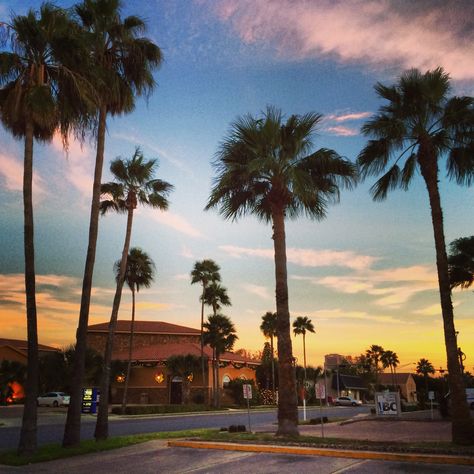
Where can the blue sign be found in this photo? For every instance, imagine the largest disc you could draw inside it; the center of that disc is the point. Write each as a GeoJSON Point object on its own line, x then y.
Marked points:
{"type": "Point", "coordinates": [90, 399]}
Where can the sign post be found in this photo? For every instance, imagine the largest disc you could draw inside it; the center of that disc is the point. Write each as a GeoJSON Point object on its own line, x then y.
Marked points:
{"type": "Point", "coordinates": [320, 389]}
{"type": "Point", "coordinates": [247, 391]}
{"type": "Point", "coordinates": [431, 396]}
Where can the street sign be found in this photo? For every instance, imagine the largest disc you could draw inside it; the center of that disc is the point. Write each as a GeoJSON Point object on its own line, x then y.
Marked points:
{"type": "Point", "coordinates": [247, 388]}
{"type": "Point", "coordinates": [320, 390]}
{"type": "Point", "coordinates": [431, 395]}
{"type": "Point", "coordinates": [388, 404]}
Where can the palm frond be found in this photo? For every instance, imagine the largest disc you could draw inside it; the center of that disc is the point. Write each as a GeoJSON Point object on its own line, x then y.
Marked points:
{"type": "Point", "coordinates": [388, 182]}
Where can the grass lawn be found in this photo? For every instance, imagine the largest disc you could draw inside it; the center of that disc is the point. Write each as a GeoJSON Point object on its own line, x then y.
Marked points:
{"type": "Point", "coordinates": [55, 451]}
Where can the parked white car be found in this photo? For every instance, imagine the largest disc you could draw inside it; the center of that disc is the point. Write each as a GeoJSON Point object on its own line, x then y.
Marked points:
{"type": "Point", "coordinates": [53, 399]}
{"type": "Point", "coordinates": [347, 401]}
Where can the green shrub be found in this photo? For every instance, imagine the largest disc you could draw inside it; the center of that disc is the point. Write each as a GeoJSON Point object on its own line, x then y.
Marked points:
{"type": "Point", "coordinates": [235, 387]}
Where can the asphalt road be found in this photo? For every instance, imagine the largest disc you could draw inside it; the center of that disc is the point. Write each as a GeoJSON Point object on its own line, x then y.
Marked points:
{"type": "Point", "coordinates": [156, 457]}
{"type": "Point", "coordinates": [51, 422]}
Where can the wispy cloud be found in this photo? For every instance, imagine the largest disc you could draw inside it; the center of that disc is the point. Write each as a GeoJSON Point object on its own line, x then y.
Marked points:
{"type": "Point", "coordinates": [175, 221]}
{"type": "Point", "coordinates": [79, 163]}
{"type": "Point", "coordinates": [340, 314]}
{"type": "Point", "coordinates": [346, 117]}
{"type": "Point", "coordinates": [162, 153]}
{"type": "Point", "coordinates": [342, 131]}
{"type": "Point", "coordinates": [307, 257]}
{"type": "Point", "coordinates": [422, 34]}
{"type": "Point", "coordinates": [258, 290]}
{"type": "Point", "coordinates": [186, 252]}
{"type": "Point", "coordinates": [390, 287]}
{"type": "Point", "coordinates": [57, 298]}
{"type": "Point", "coordinates": [11, 172]}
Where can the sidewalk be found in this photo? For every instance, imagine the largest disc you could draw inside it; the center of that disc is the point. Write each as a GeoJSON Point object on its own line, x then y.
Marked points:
{"type": "Point", "coordinates": [406, 430]}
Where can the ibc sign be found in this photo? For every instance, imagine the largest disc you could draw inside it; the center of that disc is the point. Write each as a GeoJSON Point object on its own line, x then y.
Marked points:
{"type": "Point", "coordinates": [387, 403]}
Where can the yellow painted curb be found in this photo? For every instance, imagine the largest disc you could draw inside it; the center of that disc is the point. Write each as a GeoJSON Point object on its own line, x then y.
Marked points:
{"type": "Point", "coordinates": [339, 453]}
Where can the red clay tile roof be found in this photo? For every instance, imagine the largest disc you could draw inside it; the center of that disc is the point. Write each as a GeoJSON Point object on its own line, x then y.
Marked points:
{"type": "Point", "coordinates": [400, 378]}
{"type": "Point", "coordinates": [22, 345]}
{"type": "Point", "coordinates": [160, 352]}
{"type": "Point", "coordinates": [154, 327]}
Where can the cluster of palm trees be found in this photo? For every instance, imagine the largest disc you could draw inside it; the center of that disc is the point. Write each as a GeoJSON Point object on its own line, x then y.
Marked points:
{"type": "Point", "coordinates": [68, 71]}
{"type": "Point", "coordinates": [267, 167]}
{"type": "Point", "coordinates": [376, 354]}
{"type": "Point", "coordinates": [218, 331]}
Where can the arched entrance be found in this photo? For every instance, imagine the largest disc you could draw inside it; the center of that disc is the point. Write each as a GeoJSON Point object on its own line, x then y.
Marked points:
{"type": "Point", "coordinates": [176, 391]}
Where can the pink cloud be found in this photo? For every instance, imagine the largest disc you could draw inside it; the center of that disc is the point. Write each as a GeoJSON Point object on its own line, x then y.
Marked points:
{"type": "Point", "coordinates": [423, 34]}
{"type": "Point", "coordinates": [79, 163]}
{"type": "Point", "coordinates": [11, 172]}
{"type": "Point", "coordinates": [348, 116]}
{"type": "Point", "coordinates": [342, 131]}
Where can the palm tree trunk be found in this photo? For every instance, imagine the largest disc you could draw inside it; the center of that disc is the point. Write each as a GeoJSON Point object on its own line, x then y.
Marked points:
{"type": "Point", "coordinates": [203, 371]}
{"type": "Point", "coordinates": [304, 355]}
{"type": "Point", "coordinates": [130, 348]}
{"type": "Point", "coordinates": [218, 388]}
{"type": "Point", "coordinates": [287, 397]}
{"type": "Point", "coordinates": [273, 366]}
{"type": "Point", "coordinates": [72, 430]}
{"type": "Point", "coordinates": [462, 426]}
{"type": "Point", "coordinates": [102, 425]}
{"type": "Point", "coordinates": [28, 439]}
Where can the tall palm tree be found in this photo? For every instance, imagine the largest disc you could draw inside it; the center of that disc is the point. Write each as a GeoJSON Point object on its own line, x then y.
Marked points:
{"type": "Point", "coordinates": [219, 334]}
{"type": "Point", "coordinates": [268, 327]}
{"type": "Point", "coordinates": [374, 354]}
{"type": "Point", "coordinates": [425, 367]}
{"type": "Point", "coordinates": [461, 262]}
{"type": "Point", "coordinates": [216, 296]}
{"type": "Point", "coordinates": [124, 62]}
{"type": "Point", "coordinates": [139, 272]}
{"type": "Point", "coordinates": [302, 325]}
{"type": "Point", "coordinates": [390, 360]}
{"type": "Point", "coordinates": [41, 92]}
{"type": "Point", "coordinates": [267, 167]}
{"type": "Point", "coordinates": [418, 126]}
{"type": "Point", "coordinates": [204, 272]}
{"type": "Point", "coordinates": [134, 184]}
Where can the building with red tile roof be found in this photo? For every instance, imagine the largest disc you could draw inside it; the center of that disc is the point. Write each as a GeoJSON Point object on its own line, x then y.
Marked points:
{"type": "Point", "coordinates": [153, 343]}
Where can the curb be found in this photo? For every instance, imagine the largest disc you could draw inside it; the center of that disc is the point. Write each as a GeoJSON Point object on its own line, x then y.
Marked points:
{"type": "Point", "coordinates": [339, 453]}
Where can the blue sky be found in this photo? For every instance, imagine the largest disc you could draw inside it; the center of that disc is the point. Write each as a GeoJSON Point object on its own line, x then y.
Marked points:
{"type": "Point", "coordinates": [365, 275]}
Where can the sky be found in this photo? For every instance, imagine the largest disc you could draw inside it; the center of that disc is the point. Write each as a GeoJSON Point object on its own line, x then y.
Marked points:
{"type": "Point", "coordinates": [364, 275]}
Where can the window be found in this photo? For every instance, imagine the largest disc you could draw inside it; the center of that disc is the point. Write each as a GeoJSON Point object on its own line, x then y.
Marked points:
{"type": "Point", "coordinates": [225, 381]}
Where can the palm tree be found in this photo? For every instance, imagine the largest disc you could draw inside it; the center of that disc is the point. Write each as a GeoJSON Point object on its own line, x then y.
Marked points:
{"type": "Point", "coordinates": [183, 366]}
{"type": "Point", "coordinates": [301, 325]}
{"type": "Point", "coordinates": [390, 359]}
{"type": "Point", "coordinates": [139, 272]}
{"type": "Point", "coordinates": [219, 333]}
{"type": "Point", "coordinates": [419, 125]}
{"type": "Point", "coordinates": [425, 368]}
{"type": "Point", "coordinates": [374, 354]}
{"type": "Point", "coordinates": [461, 262]}
{"type": "Point", "coordinates": [215, 295]}
{"type": "Point", "coordinates": [134, 184]}
{"type": "Point", "coordinates": [267, 168]}
{"type": "Point", "coordinates": [268, 327]}
{"type": "Point", "coordinates": [124, 62]}
{"type": "Point", "coordinates": [204, 272]}
{"type": "Point", "coordinates": [41, 92]}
